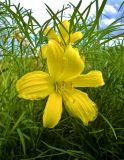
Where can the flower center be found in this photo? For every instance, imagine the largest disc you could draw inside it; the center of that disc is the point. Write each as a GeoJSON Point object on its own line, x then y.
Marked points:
{"type": "Point", "coordinates": [61, 86]}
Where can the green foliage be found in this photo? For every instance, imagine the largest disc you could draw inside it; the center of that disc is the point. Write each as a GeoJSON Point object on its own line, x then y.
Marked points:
{"type": "Point", "coordinates": [22, 135]}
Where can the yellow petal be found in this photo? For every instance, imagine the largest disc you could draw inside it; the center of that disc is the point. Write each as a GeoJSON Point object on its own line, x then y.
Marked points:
{"type": "Point", "coordinates": [79, 105]}
{"type": "Point", "coordinates": [50, 33]}
{"type": "Point", "coordinates": [43, 51]}
{"type": "Point", "coordinates": [64, 29]}
{"type": "Point", "coordinates": [52, 111]}
{"type": "Point", "coordinates": [91, 79]}
{"type": "Point", "coordinates": [34, 85]}
{"type": "Point", "coordinates": [73, 64]}
{"type": "Point", "coordinates": [55, 59]}
{"type": "Point", "coordinates": [75, 37]}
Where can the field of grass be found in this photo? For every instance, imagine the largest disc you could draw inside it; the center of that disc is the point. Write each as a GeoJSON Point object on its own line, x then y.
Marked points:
{"type": "Point", "coordinates": [22, 135]}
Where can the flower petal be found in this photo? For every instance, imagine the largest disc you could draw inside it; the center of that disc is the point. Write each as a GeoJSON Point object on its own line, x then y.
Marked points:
{"type": "Point", "coordinates": [64, 29]}
{"type": "Point", "coordinates": [73, 64]}
{"type": "Point", "coordinates": [43, 51]}
{"type": "Point", "coordinates": [50, 33]}
{"type": "Point", "coordinates": [34, 85]}
{"type": "Point", "coordinates": [52, 111]}
{"type": "Point", "coordinates": [55, 59]}
{"type": "Point", "coordinates": [91, 79]}
{"type": "Point", "coordinates": [75, 37]}
{"type": "Point", "coordinates": [79, 105]}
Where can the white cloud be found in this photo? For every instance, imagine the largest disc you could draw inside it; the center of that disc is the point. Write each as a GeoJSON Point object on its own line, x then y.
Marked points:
{"type": "Point", "coordinates": [109, 9]}
{"type": "Point", "coordinates": [108, 21]}
{"type": "Point", "coordinates": [39, 9]}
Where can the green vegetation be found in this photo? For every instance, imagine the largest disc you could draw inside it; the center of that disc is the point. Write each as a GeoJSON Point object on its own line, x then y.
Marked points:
{"type": "Point", "coordinates": [22, 136]}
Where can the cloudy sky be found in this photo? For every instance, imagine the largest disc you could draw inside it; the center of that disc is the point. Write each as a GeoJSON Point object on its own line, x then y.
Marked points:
{"type": "Point", "coordinates": [112, 12]}
{"type": "Point", "coordinates": [38, 7]}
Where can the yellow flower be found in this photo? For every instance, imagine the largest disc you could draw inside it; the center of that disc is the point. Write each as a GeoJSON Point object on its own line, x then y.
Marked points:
{"type": "Point", "coordinates": [59, 84]}
{"type": "Point", "coordinates": [17, 36]}
{"type": "Point", "coordinates": [64, 38]}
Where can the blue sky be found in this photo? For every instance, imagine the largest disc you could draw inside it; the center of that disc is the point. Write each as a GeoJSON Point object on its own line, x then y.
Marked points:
{"type": "Point", "coordinates": [111, 11]}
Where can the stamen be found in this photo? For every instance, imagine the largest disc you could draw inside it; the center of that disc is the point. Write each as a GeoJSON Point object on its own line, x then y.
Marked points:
{"type": "Point", "coordinates": [61, 86]}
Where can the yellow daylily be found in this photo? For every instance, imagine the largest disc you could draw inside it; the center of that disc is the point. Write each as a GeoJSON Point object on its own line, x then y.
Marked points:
{"type": "Point", "coordinates": [65, 67]}
{"type": "Point", "coordinates": [64, 38]}
{"type": "Point", "coordinates": [17, 35]}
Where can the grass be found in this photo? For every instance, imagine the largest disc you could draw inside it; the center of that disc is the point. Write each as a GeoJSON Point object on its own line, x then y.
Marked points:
{"type": "Point", "coordinates": [22, 136]}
